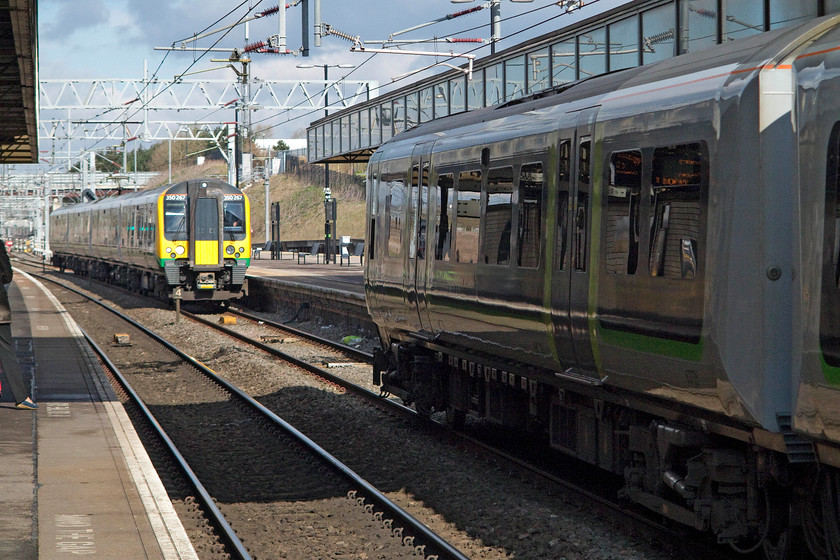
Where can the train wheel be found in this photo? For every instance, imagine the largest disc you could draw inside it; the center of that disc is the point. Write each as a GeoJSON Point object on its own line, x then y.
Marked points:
{"type": "Point", "coordinates": [813, 528]}
{"type": "Point", "coordinates": [423, 410]}
{"type": "Point", "coordinates": [781, 540]}
{"type": "Point", "coordinates": [821, 517]}
{"type": "Point", "coordinates": [424, 392]}
{"type": "Point", "coordinates": [784, 547]}
{"type": "Point", "coordinates": [455, 417]}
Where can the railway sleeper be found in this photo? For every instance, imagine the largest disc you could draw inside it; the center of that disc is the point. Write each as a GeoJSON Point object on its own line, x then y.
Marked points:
{"type": "Point", "coordinates": [738, 492]}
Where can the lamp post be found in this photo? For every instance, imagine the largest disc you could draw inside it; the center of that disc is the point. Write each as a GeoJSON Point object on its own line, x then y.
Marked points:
{"type": "Point", "coordinates": [329, 203]}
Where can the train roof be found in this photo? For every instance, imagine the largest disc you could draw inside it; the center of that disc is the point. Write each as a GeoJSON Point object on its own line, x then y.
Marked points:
{"type": "Point", "coordinates": [181, 188]}
{"type": "Point", "coordinates": [680, 80]}
{"type": "Point", "coordinates": [151, 194]}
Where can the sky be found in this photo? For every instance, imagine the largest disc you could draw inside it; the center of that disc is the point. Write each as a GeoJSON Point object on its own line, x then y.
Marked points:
{"type": "Point", "coordinates": [83, 39]}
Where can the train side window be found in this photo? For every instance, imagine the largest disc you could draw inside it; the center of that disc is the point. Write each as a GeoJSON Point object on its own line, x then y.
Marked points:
{"type": "Point", "coordinates": [498, 216]}
{"type": "Point", "coordinates": [394, 206]}
{"type": "Point", "coordinates": [444, 193]}
{"type": "Point", "coordinates": [420, 203]}
{"type": "Point", "coordinates": [530, 214]}
{"type": "Point", "coordinates": [562, 230]}
{"type": "Point", "coordinates": [677, 183]}
{"type": "Point", "coordinates": [582, 208]}
{"type": "Point", "coordinates": [414, 188]}
{"type": "Point", "coordinates": [132, 228]}
{"type": "Point", "coordinates": [373, 189]}
{"type": "Point", "coordinates": [468, 216]}
{"type": "Point", "coordinates": [372, 243]}
{"type": "Point", "coordinates": [622, 228]}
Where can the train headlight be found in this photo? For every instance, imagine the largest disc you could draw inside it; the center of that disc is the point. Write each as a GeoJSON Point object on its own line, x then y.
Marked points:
{"type": "Point", "coordinates": [169, 249]}
{"type": "Point", "coordinates": [179, 249]}
{"type": "Point", "coordinates": [229, 249]}
{"type": "Point", "coordinates": [241, 250]}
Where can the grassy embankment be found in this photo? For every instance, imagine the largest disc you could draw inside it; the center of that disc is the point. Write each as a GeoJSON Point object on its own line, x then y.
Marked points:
{"type": "Point", "coordinates": [301, 205]}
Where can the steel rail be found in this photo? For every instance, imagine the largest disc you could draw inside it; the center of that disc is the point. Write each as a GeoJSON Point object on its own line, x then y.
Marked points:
{"type": "Point", "coordinates": [306, 366]}
{"type": "Point", "coordinates": [361, 355]}
{"type": "Point", "coordinates": [442, 429]}
{"type": "Point", "coordinates": [216, 516]}
{"type": "Point", "coordinates": [433, 541]}
{"type": "Point", "coordinates": [407, 412]}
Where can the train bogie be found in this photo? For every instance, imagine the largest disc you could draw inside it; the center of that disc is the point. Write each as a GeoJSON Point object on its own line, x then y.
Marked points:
{"type": "Point", "coordinates": [644, 267]}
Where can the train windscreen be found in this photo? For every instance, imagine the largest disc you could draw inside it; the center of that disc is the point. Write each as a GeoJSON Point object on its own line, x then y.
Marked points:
{"type": "Point", "coordinates": [175, 219]}
{"type": "Point", "coordinates": [234, 216]}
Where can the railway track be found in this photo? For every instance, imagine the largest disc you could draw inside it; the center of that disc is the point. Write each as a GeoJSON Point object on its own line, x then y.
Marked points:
{"type": "Point", "coordinates": [545, 483]}
{"type": "Point", "coordinates": [238, 448]}
{"type": "Point", "coordinates": [602, 490]}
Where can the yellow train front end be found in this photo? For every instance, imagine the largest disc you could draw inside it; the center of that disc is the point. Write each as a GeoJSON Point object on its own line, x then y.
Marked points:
{"type": "Point", "coordinates": [204, 240]}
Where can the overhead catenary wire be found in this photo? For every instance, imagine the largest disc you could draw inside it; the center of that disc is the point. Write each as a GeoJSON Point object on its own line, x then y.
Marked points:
{"type": "Point", "coordinates": [443, 56]}
{"type": "Point", "coordinates": [327, 86]}
{"type": "Point", "coordinates": [157, 70]}
{"type": "Point", "coordinates": [145, 103]}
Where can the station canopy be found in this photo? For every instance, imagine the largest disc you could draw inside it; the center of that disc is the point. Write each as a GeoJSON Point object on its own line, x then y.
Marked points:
{"type": "Point", "coordinates": [635, 33]}
{"type": "Point", "coordinates": [18, 81]}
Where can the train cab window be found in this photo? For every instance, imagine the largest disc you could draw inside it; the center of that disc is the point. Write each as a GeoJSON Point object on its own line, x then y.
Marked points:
{"type": "Point", "coordinates": [498, 216]}
{"type": "Point", "coordinates": [622, 228]}
{"type": "Point", "coordinates": [530, 214]}
{"type": "Point", "coordinates": [234, 217]}
{"type": "Point", "coordinates": [677, 183]}
{"type": "Point", "coordinates": [175, 219]}
{"type": "Point", "coordinates": [394, 207]}
{"type": "Point", "coordinates": [468, 216]}
{"type": "Point", "coordinates": [562, 230]}
{"type": "Point", "coordinates": [445, 195]}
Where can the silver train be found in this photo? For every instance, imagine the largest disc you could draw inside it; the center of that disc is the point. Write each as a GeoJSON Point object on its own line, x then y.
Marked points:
{"type": "Point", "coordinates": [645, 266]}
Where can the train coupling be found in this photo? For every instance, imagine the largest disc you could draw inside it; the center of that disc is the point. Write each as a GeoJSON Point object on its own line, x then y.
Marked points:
{"type": "Point", "coordinates": [206, 281]}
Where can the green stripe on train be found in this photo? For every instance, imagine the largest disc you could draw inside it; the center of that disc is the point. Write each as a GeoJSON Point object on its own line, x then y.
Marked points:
{"type": "Point", "coordinates": [831, 373]}
{"type": "Point", "coordinates": [652, 345]}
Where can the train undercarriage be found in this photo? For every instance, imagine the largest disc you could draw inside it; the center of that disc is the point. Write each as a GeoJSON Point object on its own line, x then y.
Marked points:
{"type": "Point", "coordinates": [750, 497]}
{"type": "Point", "coordinates": [178, 282]}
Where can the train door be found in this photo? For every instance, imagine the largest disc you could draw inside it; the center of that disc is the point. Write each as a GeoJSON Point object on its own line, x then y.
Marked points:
{"type": "Point", "coordinates": [418, 226]}
{"type": "Point", "coordinates": [205, 224]}
{"type": "Point", "coordinates": [572, 269]}
{"type": "Point", "coordinates": [373, 270]}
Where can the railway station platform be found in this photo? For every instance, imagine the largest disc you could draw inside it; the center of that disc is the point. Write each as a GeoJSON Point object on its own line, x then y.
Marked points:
{"type": "Point", "coordinates": [75, 480]}
{"type": "Point", "coordinates": [332, 292]}
{"type": "Point", "coordinates": [349, 278]}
